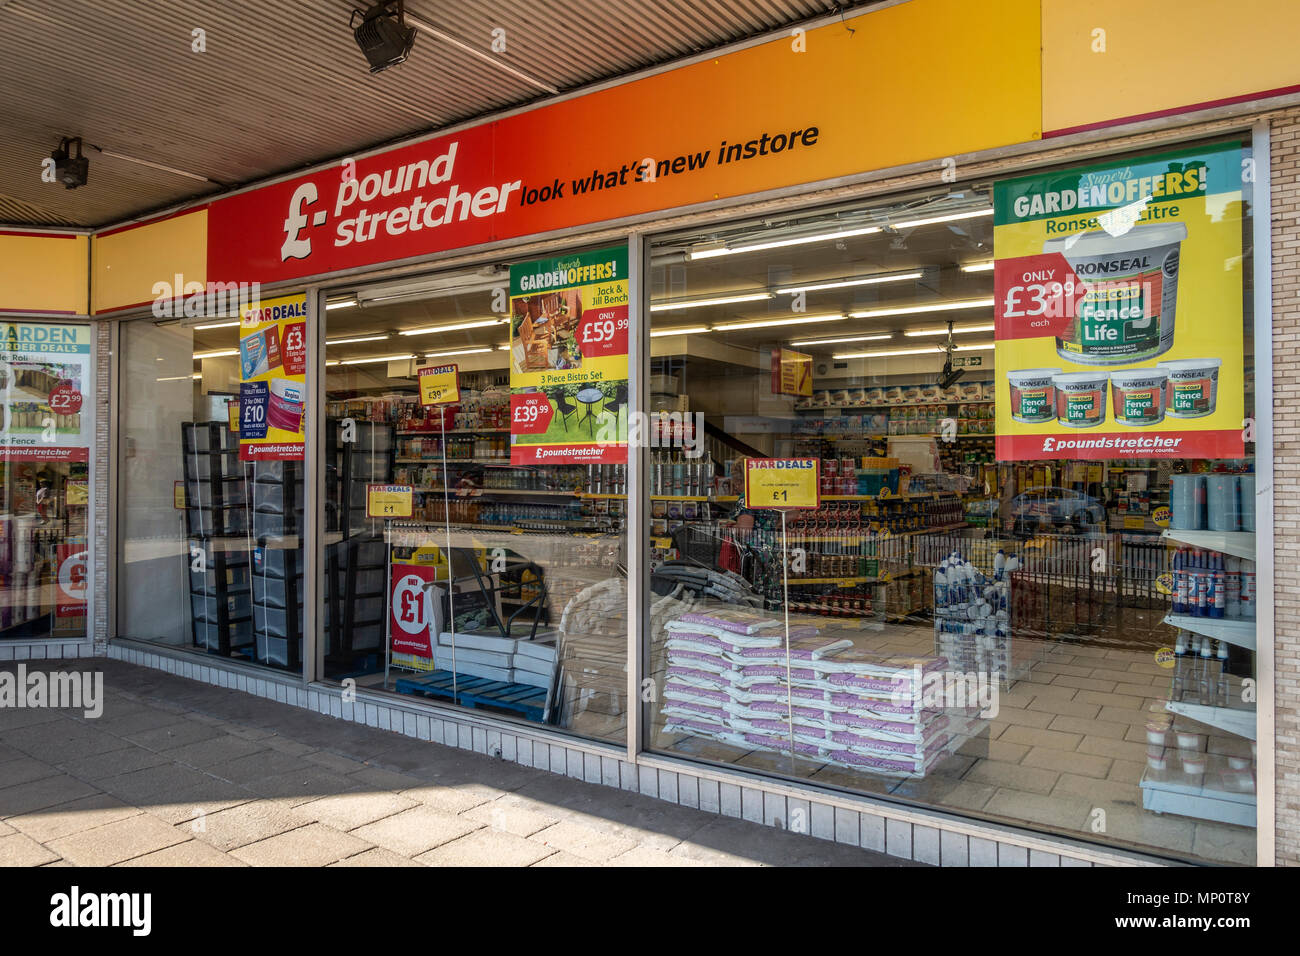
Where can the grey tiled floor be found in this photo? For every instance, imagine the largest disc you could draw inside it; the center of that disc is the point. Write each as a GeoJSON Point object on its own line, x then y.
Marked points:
{"type": "Point", "coordinates": [177, 773]}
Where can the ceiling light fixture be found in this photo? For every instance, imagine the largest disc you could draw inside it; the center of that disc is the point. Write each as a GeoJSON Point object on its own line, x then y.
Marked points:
{"type": "Point", "coordinates": [669, 305]}
{"type": "Point", "coordinates": [475, 351]}
{"type": "Point", "coordinates": [350, 302]}
{"type": "Point", "coordinates": [436, 287]}
{"type": "Point", "coordinates": [216, 325]}
{"type": "Point", "coordinates": [978, 267]}
{"type": "Point", "coordinates": [912, 333]}
{"type": "Point", "coordinates": [454, 327]}
{"type": "Point", "coordinates": [935, 220]}
{"type": "Point", "coordinates": [766, 323]}
{"type": "Point", "coordinates": [845, 283]}
{"type": "Point", "coordinates": [362, 338]}
{"type": "Point", "coordinates": [219, 353]}
{"type": "Point", "coordinates": [930, 350]}
{"type": "Point", "coordinates": [377, 358]}
{"type": "Point", "coordinates": [921, 309]}
{"type": "Point", "coordinates": [851, 338]}
{"type": "Point", "coordinates": [710, 253]}
{"type": "Point", "coordinates": [383, 36]}
{"type": "Point", "coordinates": [682, 330]}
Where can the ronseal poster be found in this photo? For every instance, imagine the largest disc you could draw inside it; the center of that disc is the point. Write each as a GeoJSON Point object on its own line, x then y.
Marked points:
{"type": "Point", "coordinates": [44, 372]}
{"type": "Point", "coordinates": [568, 359]}
{"type": "Point", "coordinates": [1118, 309]}
{"type": "Point", "coordinates": [272, 379]}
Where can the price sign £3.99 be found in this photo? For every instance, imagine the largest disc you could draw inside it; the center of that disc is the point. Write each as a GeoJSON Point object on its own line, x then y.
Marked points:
{"type": "Point", "coordinates": [782, 483]}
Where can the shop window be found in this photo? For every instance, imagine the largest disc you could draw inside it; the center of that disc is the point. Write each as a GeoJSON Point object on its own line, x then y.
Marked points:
{"type": "Point", "coordinates": [211, 524]}
{"type": "Point", "coordinates": [983, 608]}
{"type": "Point", "coordinates": [45, 438]}
{"type": "Point", "coordinates": [475, 491]}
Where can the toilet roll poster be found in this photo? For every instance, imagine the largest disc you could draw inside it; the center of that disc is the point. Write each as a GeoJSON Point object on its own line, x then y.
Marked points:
{"type": "Point", "coordinates": [272, 379]}
{"type": "Point", "coordinates": [44, 375]}
{"type": "Point", "coordinates": [568, 359]}
{"type": "Point", "coordinates": [1117, 301]}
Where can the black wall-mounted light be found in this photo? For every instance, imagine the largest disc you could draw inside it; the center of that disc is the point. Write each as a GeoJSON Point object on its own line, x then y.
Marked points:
{"type": "Point", "coordinates": [383, 35]}
{"type": "Point", "coordinates": [70, 170]}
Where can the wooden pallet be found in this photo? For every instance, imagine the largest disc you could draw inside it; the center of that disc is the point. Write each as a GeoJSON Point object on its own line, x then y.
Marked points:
{"type": "Point", "coordinates": [524, 699]}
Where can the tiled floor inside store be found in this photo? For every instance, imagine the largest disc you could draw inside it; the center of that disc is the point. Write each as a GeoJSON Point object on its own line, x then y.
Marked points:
{"type": "Point", "coordinates": [1068, 739]}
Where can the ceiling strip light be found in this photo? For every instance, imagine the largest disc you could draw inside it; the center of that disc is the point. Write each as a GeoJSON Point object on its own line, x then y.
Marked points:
{"type": "Point", "coordinates": [363, 338]}
{"type": "Point", "coordinates": [455, 327]}
{"type": "Point", "coordinates": [956, 330]}
{"type": "Point", "coordinates": [349, 303]}
{"type": "Point", "coordinates": [935, 220]}
{"type": "Point", "coordinates": [780, 243]}
{"type": "Point", "coordinates": [920, 309]}
{"type": "Point", "coordinates": [669, 305]}
{"type": "Point", "coordinates": [477, 351]}
{"type": "Point", "coordinates": [852, 338]}
{"type": "Point", "coordinates": [845, 283]}
{"type": "Point", "coordinates": [220, 353]}
{"type": "Point", "coordinates": [682, 330]}
{"type": "Point", "coordinates": [216, 325]}
{"type": "Point", "coordinates": [978, 267]}
{"type": "Point", "coordinates": [932, 350]}
{"type": "Point", "coordinates": [766, 323]}
{"type": "Point", "coordinates": [380, 358]}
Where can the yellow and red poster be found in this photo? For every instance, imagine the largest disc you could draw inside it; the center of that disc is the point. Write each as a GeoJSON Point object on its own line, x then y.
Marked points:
{"type": "Point", "coordinates": [568, 359]}
{"type": "Point", "coordinates": [791, 372]}
{"type": "Point", "coordinates": [44, 377]}
{"type": "Point", "coordinates": [272, 379]}
{"type": "Point", "coordinates": [1118, 309]}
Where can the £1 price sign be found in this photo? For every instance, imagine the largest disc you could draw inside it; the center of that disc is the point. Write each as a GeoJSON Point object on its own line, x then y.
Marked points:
{"type": "Point", "coordinates": [603, 331]}
{"type": "Point", "coordinates": [389, 501]}
{"type": "Point", "coordinates": [411, 611]}
{"type": "Point", "coordinates": [530, 413]}
{"type": "Point", "coordinates": [782, 483]}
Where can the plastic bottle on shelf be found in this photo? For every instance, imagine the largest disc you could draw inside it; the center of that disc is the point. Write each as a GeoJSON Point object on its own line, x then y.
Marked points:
{"type": "Point", "coordinates": [1247, 591]}
{"type": "Point", "coordinates": [1232, 588]}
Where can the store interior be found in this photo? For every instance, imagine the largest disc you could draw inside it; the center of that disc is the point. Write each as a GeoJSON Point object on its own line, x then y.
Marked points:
{"type": "Point", "coordinates": [533, 624]}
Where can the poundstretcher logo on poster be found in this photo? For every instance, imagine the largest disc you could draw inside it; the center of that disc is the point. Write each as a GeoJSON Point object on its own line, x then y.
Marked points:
{"type": "Point", "coordinates": [62, 690]}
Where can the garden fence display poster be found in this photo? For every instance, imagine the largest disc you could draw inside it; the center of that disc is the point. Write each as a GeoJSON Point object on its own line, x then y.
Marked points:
{"type": "Point", "coordinates": [568, 359]}
{"type": "Point", "coordinates": [1117, 295]}
{"type": "Point", "coordinates": [273, 379]}
{"type": "Point", "coordinates": [44, 373]}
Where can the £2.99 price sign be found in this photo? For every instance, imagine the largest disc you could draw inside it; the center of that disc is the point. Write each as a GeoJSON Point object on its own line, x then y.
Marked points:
{"type": "Point", "coordinates": [782, 483]}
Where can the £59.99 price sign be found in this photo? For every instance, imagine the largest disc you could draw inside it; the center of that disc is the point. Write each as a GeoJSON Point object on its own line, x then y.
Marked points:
{"type": "Point", "coordinates": [273, 379]}
{"type": "Point", "coordinates": [568, 359]}
{"type": "Point", "coordinates": [1117, 296]}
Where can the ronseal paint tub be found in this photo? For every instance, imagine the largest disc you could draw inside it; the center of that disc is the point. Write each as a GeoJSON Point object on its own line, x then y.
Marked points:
{"type": "Point", "coordinates": [284, 405]}
{"type": "Point", "coordinates": [1130, 300]}
{"type": "Point", "coordinates": [1080, 398]}
{"type": "Point", "coordinates": [1138, 396]}
{"type": "Point", "coordinates": [1193, 387]}
{"type": "Point", "coordinates": [1033, 396]}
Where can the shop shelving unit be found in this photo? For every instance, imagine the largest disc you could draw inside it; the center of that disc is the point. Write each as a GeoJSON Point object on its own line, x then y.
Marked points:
{"type": "Point", "coordinates": [216, 521]}
{"type": "Point", "coordinates": [276, 498]}
{"type": "Point", "coordinates": [1221, 793]}
{"type": "Point", "coordinates": [355, 563]}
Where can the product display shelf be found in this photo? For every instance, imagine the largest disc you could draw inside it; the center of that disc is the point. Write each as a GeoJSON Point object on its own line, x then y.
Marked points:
{"type": "Point", "coordinates": [355, 566]}
{"type": "Point", "coordinates": [435, 432]}
{"type": "Point", "coordinates": [1220, 794]}
{"type": "Point", "coordinates": [1235, 720]}
{"type": "Point", "coordinates": [1239, 544]}
{"type": "Point", "coordinates": [276, 563]}
{"type": "Point", "coordinates": [1236, 632]}
{"type": "Point", "coordinates": [438, 459]}
{"type": "Point", "coordinates": [217, 558]}
{"type": "Point", "coordinates": [940, 401]}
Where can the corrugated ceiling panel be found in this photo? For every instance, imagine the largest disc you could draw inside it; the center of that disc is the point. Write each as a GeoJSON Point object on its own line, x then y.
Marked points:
{"type": "Point", "coordinates": [281, 85]}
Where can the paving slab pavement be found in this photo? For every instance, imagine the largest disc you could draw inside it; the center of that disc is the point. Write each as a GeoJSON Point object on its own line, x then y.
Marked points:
{"type": "Point", "coordinates": [179, 773]}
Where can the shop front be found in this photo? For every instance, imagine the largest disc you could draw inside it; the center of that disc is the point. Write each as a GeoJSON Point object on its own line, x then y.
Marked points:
{"type": "Point", "coordinates": [919, 504]}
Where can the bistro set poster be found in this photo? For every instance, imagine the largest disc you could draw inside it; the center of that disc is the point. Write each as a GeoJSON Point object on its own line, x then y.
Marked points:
{"type": "Point", "coordinates": [1118, 309]}
{"type": "Point", "coordinates": [568, 359]}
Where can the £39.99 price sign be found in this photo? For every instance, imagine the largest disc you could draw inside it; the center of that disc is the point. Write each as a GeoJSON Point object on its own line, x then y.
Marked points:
{"type": "Point", "coordinates": [568, 359]}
